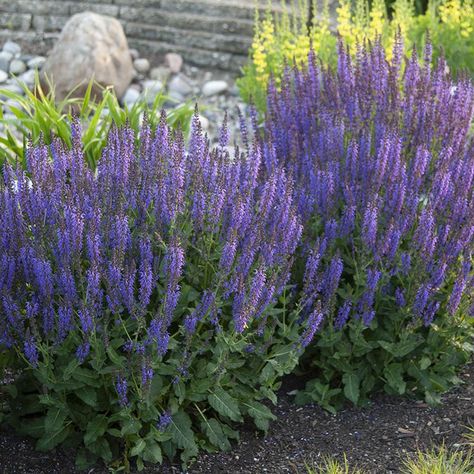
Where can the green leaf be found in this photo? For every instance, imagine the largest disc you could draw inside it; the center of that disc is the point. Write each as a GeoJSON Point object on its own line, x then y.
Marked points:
{"type": "Point", "coordinates": [224, 404]}
{"type": "Point", "coordinates": [213, 430]}
{"type": "Point", "coordinates": [394, 375]}
{"type": "Point", "coordinates": [101, 448]}
{"type": "Point", "coordinates": [88, 395]}
{"type": "Point", "coordinates": [95, 429]}
{"type": "Point", "coordinates": [131, 426]}
{"type": "Point", "coordinates": [402, 348]}
{"type": "Point", "coordinates": [87, 376]}
{"type": "Point", "coordinates": [51, 439]}
{"type": "Point", "coordinates": [33, 427]}
{"type": "Point", "coordinates": [55, 419]}
{"type": "Point", "coordinates": [182, 434]}
{"type": "Point", "coordinates": [351, 383]}
{"type": "Point", "coordinates": [261, 414]}
{"type": "Point", "coordinates": [139, 447]}
{"type": "Point", "coordinates": [153, 453]}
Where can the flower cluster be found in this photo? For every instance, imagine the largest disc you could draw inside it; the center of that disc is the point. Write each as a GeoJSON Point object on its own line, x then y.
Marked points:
{"type": "Point", "coordinates": [384, 181]}
{"type": "Point", "coordinates": [284, 38]}
{"type": "Point", "coordinates": [85, 251]}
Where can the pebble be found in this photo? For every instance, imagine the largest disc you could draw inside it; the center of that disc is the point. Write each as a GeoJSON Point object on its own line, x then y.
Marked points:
{"type": "Point", "coordinates": [180, 83]}
{"type": "Point", "coordinates": [175, 96]}
{"type": "Point", "coordinates": [160, 73]}
{"type": "Point", "coordinates": [28, 77]}
{"type": "Point", "coordinates": [174, 62]}
{"type": "Point", "coordinates": [151, 89]}
{"type": "Point", "coordinates": [214, 88]}
{"type": "Point", "coordinates": [131, 96]}
{"type": "Point", "coordinates": [3, 76]}
{"type": "Point", "coordinates": [204, 122]}
{"type": "Point", "coordinates": [12, 47]}
{"type": "Point", "coordinates": [141, 65]}
{"type": "Point", "coordinates": [37, 62]}
{"type": "Point", "coordinates": [15, 88]}
{"type": "Point", "coordinates": [17, 66]}
{"type": "Point", "coordinates": [5, 58]}
{"type": "Point", "coordinates": [134, 53]}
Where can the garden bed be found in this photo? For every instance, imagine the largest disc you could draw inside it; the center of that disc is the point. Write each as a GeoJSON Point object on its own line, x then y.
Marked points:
{"type": "Point", "coordinates": [372, 438]}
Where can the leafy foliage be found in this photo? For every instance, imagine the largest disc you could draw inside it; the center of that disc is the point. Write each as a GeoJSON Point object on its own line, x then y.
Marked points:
{"type": "Point", "coordinates": [286, 38]}
{"type": "Point", "coordinates": [140, 296]}
{"type": "Point", "coordinates": [385, 272]}
{"type": "Point", "coordinates": [38, 117]}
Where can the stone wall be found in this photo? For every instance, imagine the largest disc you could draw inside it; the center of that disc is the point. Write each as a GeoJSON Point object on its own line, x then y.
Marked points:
{"type": "Point", "coordinates": [210, 33]}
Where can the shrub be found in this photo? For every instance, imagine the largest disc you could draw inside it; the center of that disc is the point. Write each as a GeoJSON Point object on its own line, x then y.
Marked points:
{"type": "Point", "coordinates": [384, 182]}
{"type": "Point", "coordinates": [139, 299]}
{"type": "Point", "coordinates": [286, 39]}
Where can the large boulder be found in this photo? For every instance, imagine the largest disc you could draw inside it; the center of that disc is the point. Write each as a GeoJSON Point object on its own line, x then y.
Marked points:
{"type": "Point", "coordinates": [90, 46]}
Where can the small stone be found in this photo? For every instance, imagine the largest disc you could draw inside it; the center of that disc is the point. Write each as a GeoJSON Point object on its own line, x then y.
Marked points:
{"type": "Point", "coordinates": [131, 96]}
{"type": "Point", "coordinates": [142, 65]}
{"type": "Point", "coordinates": [151, 89]}
{"type": "Point", "coordinates": [174, 62]}
{"type": "Point", "coordinates": [17, 66]}
{"type": "Point", "coordinates": [36, 63]}
{"type": "Point", "coordinates": [28, 77]}
{"type": "Point", "coordinates": [26, 57]}
{"type": "Point", "coordinates": [11, 104]}
{"type": "Point", "coordinates": [160, 73]}
{"type": "Point", "coordinates": [15, 88]}
{"type": "Point", "coordinates": [180, 83]}
{"type": "Point", "coordinates": [175, 96]}
{"type": "Point", "coordinates": [204, 122]}
{"type": "Point", "coordinates": [5, 58]}
{"type": "Point", "coordinates": [214, 87]}
{"type": "Point", "coordinates": [3, 76]}
{"type": "Point", "coordinates": [134, 54]}
{"type": "Point", "coordinates": [12, 47]}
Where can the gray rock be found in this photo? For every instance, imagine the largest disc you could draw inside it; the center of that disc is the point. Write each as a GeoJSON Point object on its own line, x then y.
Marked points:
{"type": "Point", "coordinates": [5, 58]}
{"type": "Point", "coordinates": [28, 77]}
{"type": "Point", "coordinates": [175, 96]}
{"type": "Point", "coordinates": [142, 65]}
{"type": "Point", "coordinates": [214, 88]}
{"type": "Point", "coordinates": [12, 104]}
{"type": "Point", "coordinates": [131, 96]}
{"type": "Point", "coordinates": [15, 88]}
{"type": "Point", "coordinates": [204, 122]}
{"type": "Point", "coordinates": [134, 54]}
{"type": "Point", "coordinates": [3, 76]}
{"type": "Point", "coordinates": [90, 46]}
{"type": "Point", "coordinates": [26, 57]}
{"type": "Point", "coordinates": [37, 62]}
{"type": "Point", "coordinates": [160, 73]}
{"type": "Point", "coordinates": [12, 47]}
{"type": "Point", "coordinates": [174, 62]}
{"type": "Point", "coordinates": [180, 84]}
{"type": "Point", "coordinates": [17, 66]}
{"type": "Point", "coordinates": [151, 89]}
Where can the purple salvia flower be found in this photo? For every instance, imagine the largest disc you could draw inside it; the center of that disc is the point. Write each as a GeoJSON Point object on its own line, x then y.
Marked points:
{"type": "Point", "coordinates": [83, 351]}
{"type": "Point", "coordinates": [31, 351]}
{"type": "Point", "coordinates": [164, 421]}
{"type": "Point", "coordinates": [121, 386]}
{"type": "Point", "coordinates": [343, 315]}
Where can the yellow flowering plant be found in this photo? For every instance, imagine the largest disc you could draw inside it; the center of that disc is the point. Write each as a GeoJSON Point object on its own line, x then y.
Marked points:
{"type": "Point", "coordinates": [285, 37]}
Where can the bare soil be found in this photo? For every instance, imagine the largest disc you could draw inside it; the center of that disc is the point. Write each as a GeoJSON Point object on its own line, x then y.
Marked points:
{"type": "Point", "coordinates": [373, 438]}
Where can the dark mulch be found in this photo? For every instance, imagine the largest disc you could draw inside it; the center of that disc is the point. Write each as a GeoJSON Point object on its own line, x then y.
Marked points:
{"type": "Point", "coordinates": [372, 438]}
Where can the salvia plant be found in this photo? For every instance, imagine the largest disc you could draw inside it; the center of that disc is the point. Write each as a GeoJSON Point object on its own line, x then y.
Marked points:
{"type": "Point", "coordinates": [286, 37]}
{"type": "Point", "coordinates": [383, 167]}
{"type": "Point", "coordinates": [139, 299]}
